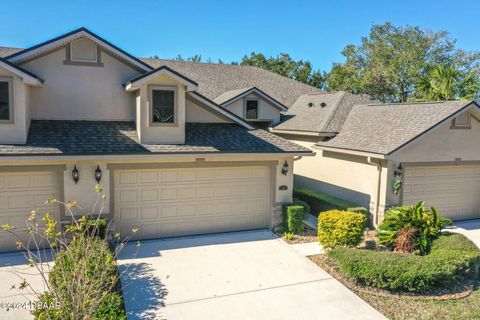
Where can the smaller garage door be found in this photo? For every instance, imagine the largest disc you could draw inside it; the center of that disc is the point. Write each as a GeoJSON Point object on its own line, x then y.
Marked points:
{"type": "Point", "coordinates": [175, 202]}
{"type": "Point", "coordinates": [453, 190]}
{"type": "Point", "coordinates": [20, 193]}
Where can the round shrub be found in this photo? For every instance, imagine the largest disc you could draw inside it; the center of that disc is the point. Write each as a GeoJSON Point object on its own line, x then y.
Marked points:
{"type": "Point", "coordinates": [340, 228]}
{"type": "Point", "coordinates": [452, 258]}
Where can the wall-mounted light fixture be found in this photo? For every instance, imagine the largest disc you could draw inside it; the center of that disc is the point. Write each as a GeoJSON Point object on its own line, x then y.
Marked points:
{"type": "Point", "coordinates": [399, 171]}
{"type": "Point", "coordinates": [285, 168]}
{"type": "Point", "coordinates": [98, 174]}
{"type": "Point", "coordinates": [75, 174]}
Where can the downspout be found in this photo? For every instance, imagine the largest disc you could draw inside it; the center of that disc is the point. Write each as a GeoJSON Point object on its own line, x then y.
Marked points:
{"type": "Point", "coordinates": [379, 183]}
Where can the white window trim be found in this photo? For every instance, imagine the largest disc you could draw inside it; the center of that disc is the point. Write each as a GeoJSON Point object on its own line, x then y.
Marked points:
{"type": "Point", "coordinates": [258, 108]}
{"type": "Point", "coordinates": [9, 80]}
{"type": "Point", "coordinates": [150, 106]}
{"type": "Point", "coordinates": [468, 125]}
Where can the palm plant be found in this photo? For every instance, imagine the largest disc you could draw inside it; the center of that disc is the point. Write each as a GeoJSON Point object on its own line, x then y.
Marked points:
{"type": "Point", "coordinates": [445, 82]}
{"type": "Point", "coordinates": [427, 223]}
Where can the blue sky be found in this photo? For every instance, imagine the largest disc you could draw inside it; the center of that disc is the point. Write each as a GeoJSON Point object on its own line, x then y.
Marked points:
{"type": "Point", "coordinates": [312, 30]}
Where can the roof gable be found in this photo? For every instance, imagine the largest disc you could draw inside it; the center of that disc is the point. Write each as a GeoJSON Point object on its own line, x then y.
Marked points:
{"type": "Point", "coordinates": [27, 76]}
{"type": "Point", "coordinates": [234, 95]}
{"type": "Point", "coordinates": [136, 82]}
{"type": "Point", "coordinates": [75, 34]}
{"type": "Point", "coordinates": [386, 128]}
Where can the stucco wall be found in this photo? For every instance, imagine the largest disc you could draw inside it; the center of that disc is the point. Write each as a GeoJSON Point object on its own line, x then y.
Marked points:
{"type": "Point", "coordinates": [196, 113]}
{"type": "Point", "coordinates": [17, 131]}
{"type": "Point", "coordinates": [265, 110]}
{"type": "Point", "coordinates": [72, 92]}
{"type": "Point", "coordinates": [441, 144]}
{"type": "Point", "coordinates": [344, 176]}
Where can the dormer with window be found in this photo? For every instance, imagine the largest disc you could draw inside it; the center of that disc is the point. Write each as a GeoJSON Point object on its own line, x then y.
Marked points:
{"type": "Point", "coordinates": [160, 105]}
{"type": "Point", "coordinates": [253, 105]}
{"type": "Point", "coordinates": [15, 85]}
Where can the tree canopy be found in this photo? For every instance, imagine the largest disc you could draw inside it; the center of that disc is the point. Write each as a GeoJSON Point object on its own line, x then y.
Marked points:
{"type": "Point", "coordinates": [397, 64]}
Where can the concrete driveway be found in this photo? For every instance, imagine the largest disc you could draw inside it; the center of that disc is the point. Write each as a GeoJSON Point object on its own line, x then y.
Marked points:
{"type": "Point", "coordinates": [469, 228]}
{"type": "Point", "coordinates": [14, 268]}
{"type": "Point", "coordinates": [241, 275]}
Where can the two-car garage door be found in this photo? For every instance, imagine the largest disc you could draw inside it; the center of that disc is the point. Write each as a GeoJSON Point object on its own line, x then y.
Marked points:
{"type": "Point", "coordinates": [453, 190]}
{"type": "Point", "coordinates": [186, 201]}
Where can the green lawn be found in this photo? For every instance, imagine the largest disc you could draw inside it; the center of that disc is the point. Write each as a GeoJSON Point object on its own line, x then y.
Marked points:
{"type": "Point", "coordinates": [410, 308]}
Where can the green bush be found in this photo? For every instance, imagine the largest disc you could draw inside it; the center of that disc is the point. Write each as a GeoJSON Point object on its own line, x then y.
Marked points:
{"type": "Point", "coordinates": [427, 223]}
{"type": "Point", "coordinates": [90, 227]}
{"type": "Point", "coordinates": [340, 228]}
{"type": "Point", "coordinates": [296, 202]}
{"type": "Point", "coordinates": [87, 263]}
{"type": "Point", "coordinates": [320, 202]}
{"type": "Point", "coordinates": [293, 218]}
{"type": "Point", "coordinates": [453, 257]}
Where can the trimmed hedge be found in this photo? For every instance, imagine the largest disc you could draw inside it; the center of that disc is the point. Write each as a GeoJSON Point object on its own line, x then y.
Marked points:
{"type": "Point", "coordinates": [452, 258]}
{"type": "Point", "coordinates": [94, 267]}
{"type": "Point", "coordinates": [341, 228]}
{"type": "Point", "coordinates": [320, 202]}
{"type": "Point", "coordinates": [293, 219]}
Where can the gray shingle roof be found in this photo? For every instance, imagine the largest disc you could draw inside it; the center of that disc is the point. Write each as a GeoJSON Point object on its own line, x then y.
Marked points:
{"type": "Point", "coordinates": [321, 112]}
{"type": "Point", "coordinates": [384, 128]}
{"type": "Point", "coordinates": [6, 51]}
{"type": "Point", "coordinates": [117, 137]}
{"type": "Point", "coordinates": [216, 79]}
{"type": "Point", "coordinates": [224, 97]}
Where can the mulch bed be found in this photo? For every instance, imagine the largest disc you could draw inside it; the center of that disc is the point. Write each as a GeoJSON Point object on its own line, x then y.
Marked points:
{"type": "Point", "coordinates": [462, 290]}
{"type": "Point", "coordinates": [308, 235]}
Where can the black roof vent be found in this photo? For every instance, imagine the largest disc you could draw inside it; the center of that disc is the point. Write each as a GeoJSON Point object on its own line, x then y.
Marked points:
{"type": "Point", "coordinates": [323, 104]}
{"type": "Point", "coordinates": [310, 104]}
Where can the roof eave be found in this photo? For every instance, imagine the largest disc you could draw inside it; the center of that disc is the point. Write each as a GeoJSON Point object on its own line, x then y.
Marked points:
{"type": "Point", "coordinates": [302, 132]}
{"type": "Point", "coordinates": [137, 82]}
{"type": "Point", "coordinates": [27, 78]}
{"type": "Point", "coordinates": [82, 32]}
{"type": "Point", "coordinates": [361, 153]}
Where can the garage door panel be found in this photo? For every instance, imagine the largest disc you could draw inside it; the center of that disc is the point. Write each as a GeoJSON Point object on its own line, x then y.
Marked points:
{"type": "Point", "coordinates": [22, 192]}
{"type": "Point", "coordinates": [453, 190]}
{"type": "Point", "coordinates": [191, 201]}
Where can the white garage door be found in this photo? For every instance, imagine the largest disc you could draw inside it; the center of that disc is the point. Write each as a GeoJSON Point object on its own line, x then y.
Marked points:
{"type": "Point", "coordinates": [174, 202]}
{"type": "Point", "coordinates": [453, 190]}
{"type": "Point", "coordinates": [20, 193]}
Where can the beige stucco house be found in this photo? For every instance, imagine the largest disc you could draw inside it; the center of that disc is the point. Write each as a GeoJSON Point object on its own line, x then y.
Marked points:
{"type": "Point", "coordinates": [175, 144]}
{"type": "Point", "coordinates": [380, 155]}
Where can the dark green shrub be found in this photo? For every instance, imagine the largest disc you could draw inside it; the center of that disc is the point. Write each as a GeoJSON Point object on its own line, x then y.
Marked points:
{"type": "Point", "coordinates": [320, 202]}
{"type": "Point", "coordinates": [293, 219]}
{"type": "Point", "coordinates": [83, 273]}
{"type": "Point", "coordinates": [340, 228]}
{"type": "Point", "coordinates": [453, 257]}
{"type": "Point", "coordinates": [90, 227]}
{"type": "Point", "coordinates": [427, 223]}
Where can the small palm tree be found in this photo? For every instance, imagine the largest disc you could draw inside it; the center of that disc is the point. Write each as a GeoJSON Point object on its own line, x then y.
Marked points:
{"type": "Point", "coordinates": [442, 83]}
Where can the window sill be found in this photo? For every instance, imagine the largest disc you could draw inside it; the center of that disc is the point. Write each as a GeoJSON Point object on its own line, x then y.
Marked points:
{"type": "Point", "coordinates": [81, 63]}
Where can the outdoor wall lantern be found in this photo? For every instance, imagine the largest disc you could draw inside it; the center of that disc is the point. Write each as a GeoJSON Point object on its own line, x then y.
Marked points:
{"type": "Point", "coordinates": [285, 168]}
{"type": "Point", "coordinates": [399, 171]}
{"type": "Point", "coordinates": [98, 174]}
{"type": "Point", "coordinates": [75, 174]}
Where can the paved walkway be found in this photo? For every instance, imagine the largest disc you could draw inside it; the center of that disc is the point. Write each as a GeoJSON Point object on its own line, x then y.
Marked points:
{"type": "Point", "coordinates": [307, 249]}
{"type": "Point", "coordinates": [469, 228]}
{"type": "Point", "coordinates": [238, 275]}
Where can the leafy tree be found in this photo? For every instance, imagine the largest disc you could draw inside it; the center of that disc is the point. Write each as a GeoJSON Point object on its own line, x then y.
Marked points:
{"type": "Point", "coordinates": [390, 63]}
{"type": "Point", "coordinates": [284, 65]}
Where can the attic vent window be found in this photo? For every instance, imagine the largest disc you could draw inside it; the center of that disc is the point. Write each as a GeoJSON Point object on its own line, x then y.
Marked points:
{"type": "Point", "coordinates": [463, 121]}
{"type": "Point", "coordinates": [323, 104]}
{"type": "Point", "coordinates": [83, 52]}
